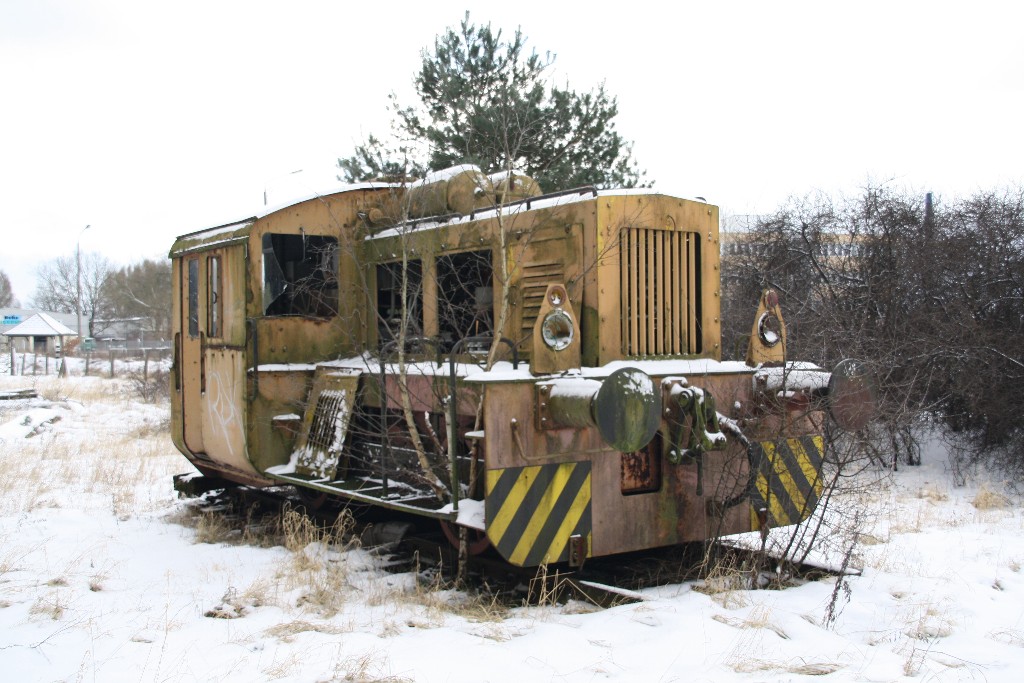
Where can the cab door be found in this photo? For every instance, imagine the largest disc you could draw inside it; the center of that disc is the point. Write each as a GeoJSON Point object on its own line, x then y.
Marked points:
{"type": "Point", "coordinates": [213, 356]}
{"type": "Point", "coordinates": [193, 379]}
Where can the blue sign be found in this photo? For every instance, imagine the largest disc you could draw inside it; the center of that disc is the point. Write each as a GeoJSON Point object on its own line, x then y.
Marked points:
{"type": "Point", "coordinates": [12, 319]}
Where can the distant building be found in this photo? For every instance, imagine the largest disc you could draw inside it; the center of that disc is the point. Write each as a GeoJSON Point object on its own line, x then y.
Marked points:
{"type": "Point", "coordinates": [36, 331]}
{"type": "Point", "coordinates": [738, 239]}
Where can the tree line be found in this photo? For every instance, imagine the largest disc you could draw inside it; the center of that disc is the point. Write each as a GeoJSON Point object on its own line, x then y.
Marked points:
{"type": "Point", "coordinates": [140, 290]}
{"type": "Point", "coordinates": [930, 295]}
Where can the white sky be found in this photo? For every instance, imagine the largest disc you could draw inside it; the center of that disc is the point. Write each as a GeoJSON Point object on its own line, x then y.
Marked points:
{"type": "Point", "coordinates": [148, 120]}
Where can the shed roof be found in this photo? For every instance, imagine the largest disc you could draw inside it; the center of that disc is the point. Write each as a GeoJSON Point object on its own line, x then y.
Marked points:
{"type": "Point", "coordinates": [40, 325]}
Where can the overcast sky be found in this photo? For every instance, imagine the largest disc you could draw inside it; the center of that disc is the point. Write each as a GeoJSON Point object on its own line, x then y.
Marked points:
{"type": "Point", "coordinates": [147, 120]}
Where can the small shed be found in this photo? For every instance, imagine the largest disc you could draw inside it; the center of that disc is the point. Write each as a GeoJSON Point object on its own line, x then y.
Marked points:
{"type": "Point", "coordinates": [42, 333]}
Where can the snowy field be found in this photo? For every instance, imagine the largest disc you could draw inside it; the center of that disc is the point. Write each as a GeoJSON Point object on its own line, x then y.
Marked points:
{"type": "Point", "coordinates": [106, 576]}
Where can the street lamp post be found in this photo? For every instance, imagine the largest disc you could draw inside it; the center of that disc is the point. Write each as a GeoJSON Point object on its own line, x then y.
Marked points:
{"type": "Point", "coordinates": [78, 275]}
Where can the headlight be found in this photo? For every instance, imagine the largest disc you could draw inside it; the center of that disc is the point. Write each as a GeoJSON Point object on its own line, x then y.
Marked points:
{"type": "Point", "coordinates": [769, 329]}
{"type": "Point", "coordinates": [557, 330]}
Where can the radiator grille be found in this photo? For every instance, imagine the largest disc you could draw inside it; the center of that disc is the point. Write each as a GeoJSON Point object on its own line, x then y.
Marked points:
{"type": "Point", "coordinates": [660, 290]}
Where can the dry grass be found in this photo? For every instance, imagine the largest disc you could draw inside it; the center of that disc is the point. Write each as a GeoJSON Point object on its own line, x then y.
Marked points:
{"type": "Point", "coordinates": [81, 464]}
{"type": "Point", "coordinates": [990, 499]}
{"type": "Point", "coordinates": [52, 605]}
{"type": "Point", "coordinates": [726, 581]}
{"type": "Point", "coordinates": [287, 631]}
{"type": "Point", "coordinates": [1007, 637]}
{"type": "Point", "coordinates": [759, 618]}
{"type": "Point", "coordinates": [929, 621]}
{"type": "Point", "coordinates": [366, 668]}
{"type": "Point", "coordinates": [316, 567]}
{"type": "Point", "coordinates": [798, 666]}
{"type": "Point", "coordinates": [933, 494]}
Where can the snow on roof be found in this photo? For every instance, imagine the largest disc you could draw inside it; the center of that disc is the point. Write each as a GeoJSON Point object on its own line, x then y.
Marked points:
{"type": "Point", "coordinates": [229, 230]}
{"type": "Point", "coordinates": [446, 174]}
{"type": "Point", "coordinates": [336, 189]}
{"type": "Point", "coordinates": [510, 210]}
{"type": "Point", "coordinates": [40, 325]}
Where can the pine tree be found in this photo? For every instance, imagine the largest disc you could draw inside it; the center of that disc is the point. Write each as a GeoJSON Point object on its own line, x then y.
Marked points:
{"type": "Point", "coordinates": [489, 102]}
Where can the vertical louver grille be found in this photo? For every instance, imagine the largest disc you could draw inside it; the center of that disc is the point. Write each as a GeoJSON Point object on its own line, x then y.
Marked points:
{"type": "Point", "coordinates": [537, 275]}
{"type": "Point", "coordinates": [660, 290]}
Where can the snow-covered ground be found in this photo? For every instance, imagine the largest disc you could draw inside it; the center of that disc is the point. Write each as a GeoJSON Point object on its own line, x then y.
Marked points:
{"type": "Point", "coordinates": [104, 576]}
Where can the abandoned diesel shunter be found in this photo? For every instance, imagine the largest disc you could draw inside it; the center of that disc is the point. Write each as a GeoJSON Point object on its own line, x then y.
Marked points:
{"type": "Point", "coordinates": [544, 370]}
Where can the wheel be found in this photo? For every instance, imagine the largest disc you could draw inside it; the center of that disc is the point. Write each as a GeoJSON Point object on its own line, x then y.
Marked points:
{"type": "Point", "coordinates": [313, 500]}
{"type": "Point", "coordinates": [476, 540]}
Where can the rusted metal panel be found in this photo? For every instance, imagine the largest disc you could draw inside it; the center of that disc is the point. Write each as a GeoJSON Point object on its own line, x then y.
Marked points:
{"type": "Point", "coordinates": [641, 470]}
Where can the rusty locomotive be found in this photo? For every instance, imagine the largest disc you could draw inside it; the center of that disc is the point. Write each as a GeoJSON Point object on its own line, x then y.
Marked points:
{"type": "Point", "coordinates": [543, 371]}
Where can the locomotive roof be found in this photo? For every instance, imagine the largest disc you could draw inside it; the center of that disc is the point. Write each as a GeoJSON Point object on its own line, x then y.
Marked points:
{"type": "Point", "coordinates": [239, 230]}
{"type": "Point", "coordinates": [563, 198]}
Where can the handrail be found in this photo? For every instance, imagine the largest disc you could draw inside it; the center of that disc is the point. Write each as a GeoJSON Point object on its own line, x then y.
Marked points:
{"type": "Point", "coordinates": [464, 342]}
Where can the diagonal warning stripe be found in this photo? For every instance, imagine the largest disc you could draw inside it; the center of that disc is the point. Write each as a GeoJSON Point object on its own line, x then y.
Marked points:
{"type": "Point", "coordinates": [789, 482]}
{"type": "Point", "coordinates": [532, 511]}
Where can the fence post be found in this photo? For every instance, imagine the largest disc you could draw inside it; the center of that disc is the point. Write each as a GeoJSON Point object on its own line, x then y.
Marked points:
{"type": "Point", "coordinates": [111, 363]}
{"type": "Point", "coordinates": [145, 365]}
{"type": "Point", "coordinates": [14, 360]}
{"type": "Point", "coordinates": [88, 357]}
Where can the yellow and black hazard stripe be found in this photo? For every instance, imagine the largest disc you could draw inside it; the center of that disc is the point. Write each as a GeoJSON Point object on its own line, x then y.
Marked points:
{"type": "Point", "coordinates": [789, 479]}
{"type": "Point", "coordinates": [532, 511]}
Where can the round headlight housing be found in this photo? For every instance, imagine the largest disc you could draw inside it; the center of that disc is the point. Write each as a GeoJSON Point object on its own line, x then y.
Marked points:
{"type": "Point", "coordinates": [769, 329]}
{"type": "Point", "coordinates": [557, 330]}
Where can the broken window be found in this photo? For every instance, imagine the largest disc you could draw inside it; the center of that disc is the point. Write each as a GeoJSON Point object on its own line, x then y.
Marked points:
{"type": "Point", "coordinates": [300, 275]}
{"type": "Point", "coordinates": [392, 279]}
{"type": "Point", "coordinates": [465, 296]}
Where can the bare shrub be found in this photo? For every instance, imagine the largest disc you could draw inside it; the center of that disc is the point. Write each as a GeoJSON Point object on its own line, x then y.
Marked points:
{"type": "Point", "coordinates": [931, 297]}
{"type": "Point", "coordinates": [150, 386]}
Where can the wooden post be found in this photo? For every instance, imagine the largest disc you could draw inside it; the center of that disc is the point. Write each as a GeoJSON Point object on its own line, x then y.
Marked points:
{"type": "Point", "coordinates": [145, 365]}
{"type": "Point", "coordinates": [23, 364]}
{"type": "Point", "coordinates": [14, 357]}
{"type": "Point", "coordinates": [62, 367]}
{"type": "Point", "coordinates": [111, 363]}
{"type": "Point", "coordinates": [88, 357]}
{"type": "Point", "coordinates": [46, 363]}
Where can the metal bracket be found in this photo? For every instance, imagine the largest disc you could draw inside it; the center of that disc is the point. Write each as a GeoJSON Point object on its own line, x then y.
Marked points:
{"type": "Point", "coordinates": [542, 414]}
{"type": "Point", "coordinates": [577, 550]}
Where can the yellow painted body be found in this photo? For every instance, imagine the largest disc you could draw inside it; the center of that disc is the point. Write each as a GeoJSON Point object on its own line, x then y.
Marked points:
{"type": "Point", "coordinates": [268, 310]}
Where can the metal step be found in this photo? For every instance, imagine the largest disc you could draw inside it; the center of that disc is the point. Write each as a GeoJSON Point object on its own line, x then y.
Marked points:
{"type": "Point", "coordinates": [399, 496]}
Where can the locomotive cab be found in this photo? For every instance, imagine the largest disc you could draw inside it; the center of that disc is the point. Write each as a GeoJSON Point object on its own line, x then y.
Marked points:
{"type": "Point", "coordinates": [544, 369]}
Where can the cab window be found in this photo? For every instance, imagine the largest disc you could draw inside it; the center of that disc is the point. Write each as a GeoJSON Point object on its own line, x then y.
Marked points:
{"type": "Point", "coordinates": [300, 275]}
